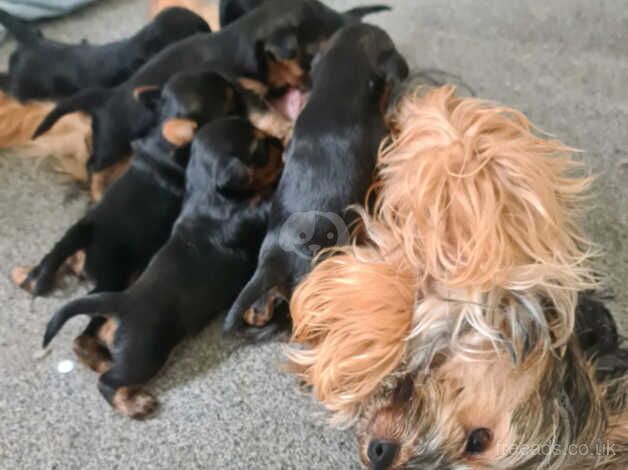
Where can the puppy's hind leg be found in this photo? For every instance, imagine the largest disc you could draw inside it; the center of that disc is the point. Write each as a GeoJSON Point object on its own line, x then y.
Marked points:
{"type": "Point", "coordinates": [41, 279]}
{"type": "Point", "coordinates": [92, 346]}
{"type": "Point", "coordinates": [124, 394]}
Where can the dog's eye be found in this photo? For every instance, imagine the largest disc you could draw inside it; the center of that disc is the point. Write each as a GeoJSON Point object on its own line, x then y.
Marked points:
{"type": "Point", "coordinates": [478, 441]}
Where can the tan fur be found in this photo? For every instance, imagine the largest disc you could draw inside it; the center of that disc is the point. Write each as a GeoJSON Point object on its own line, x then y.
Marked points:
{"type": "Point", "coordinates": [66, 146]}
{"type": "Point", "coordinates": [465, 281]}
{"type": "Point", "coordinates": [179, 132]}
{"type": "Point", "coordinates": [476, 198]}
{"type": "Point", "coordinates": [135, 403]}
{"type": "Point", "coordinates": [101, 180]}
{"type": "Point", "coordinates": [203, 8]}
{"type": "Point", "coordinates": [283, 73]}
{"type": "Point", "coordinates": [91, 354]}
{"type": "Point", "coordinates": [354, 312]}
{"type": "Point", "coordinates": [546, 413]}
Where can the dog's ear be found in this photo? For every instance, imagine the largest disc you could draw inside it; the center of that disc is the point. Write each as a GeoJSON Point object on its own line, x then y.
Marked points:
{"type": "Point", "coordinates": [148, 95]}
{"type": "Point", "coordinates": [392, 67]}
{"type": "Point", "coordinates": [282, 44]}
{"type": "Point", "coordinates": [179, 132]}
{"type": "Point", "coordinates": [234, 177]}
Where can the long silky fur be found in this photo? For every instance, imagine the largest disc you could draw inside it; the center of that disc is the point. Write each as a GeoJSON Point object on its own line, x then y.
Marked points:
{"type": "Point", "coordinates": [477, 198]}
{"type": "Point", "coordinates": [354, 313]}
{"type": "Point", "coordinates": [65, 148]}
{"type": "Point", "coordinates": [474, 228]}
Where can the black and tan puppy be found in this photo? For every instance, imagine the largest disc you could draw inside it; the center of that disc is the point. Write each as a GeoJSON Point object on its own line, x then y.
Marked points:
{"type": "Point", "coordinates": [44, 69]}
{"type": "Point", "coordinates": [329, 163]}
{"type": "Point", "coordinates": [122, 232]}
{"type": "Point", "coordinates": [270, 48]}
{"type": "Point", "coordinates": [210, 255]}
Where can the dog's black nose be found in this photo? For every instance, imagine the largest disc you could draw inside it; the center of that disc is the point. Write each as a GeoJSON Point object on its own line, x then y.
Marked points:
{"type": "Point", "coordinates": [382, 454]}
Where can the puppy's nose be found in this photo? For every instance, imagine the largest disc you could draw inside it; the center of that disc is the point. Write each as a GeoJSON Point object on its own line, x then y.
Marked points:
{"type": "Point", "coordinates": [381, 454]}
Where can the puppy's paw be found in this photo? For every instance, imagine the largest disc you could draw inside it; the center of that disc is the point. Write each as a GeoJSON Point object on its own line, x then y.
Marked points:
{"type": "Point", "coordinates": [135, 403]}
{"type": "Point", "coordinates": [76, 262]}
{"type": "Point", "coordinates": [20, 277]}
{"type": "Point", "coordinates": [92, 354]}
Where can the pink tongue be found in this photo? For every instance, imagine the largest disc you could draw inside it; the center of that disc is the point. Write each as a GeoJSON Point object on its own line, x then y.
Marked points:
{"type": "Point", "coordinates": [291, 103]}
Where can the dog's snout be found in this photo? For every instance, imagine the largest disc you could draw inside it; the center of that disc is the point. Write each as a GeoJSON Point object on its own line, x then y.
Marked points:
{"type": "Point", "coordinates": [381, 454]}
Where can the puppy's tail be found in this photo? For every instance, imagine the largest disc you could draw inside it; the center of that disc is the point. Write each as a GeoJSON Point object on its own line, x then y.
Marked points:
{"type": "Point", "coordinates": [258, 285]}
{"type": "Point", "coordinates": [95, 304]}
{"type": "Point", "coordinates": [23, 33]}
{"type": "Point", "coordinates": [84, 101]}
{"type": "Point", "coordinates": [358, 13]}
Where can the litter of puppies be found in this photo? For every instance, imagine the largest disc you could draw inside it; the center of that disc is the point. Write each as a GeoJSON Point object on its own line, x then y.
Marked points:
{"type": "Point", "coordinates": [425, 246]}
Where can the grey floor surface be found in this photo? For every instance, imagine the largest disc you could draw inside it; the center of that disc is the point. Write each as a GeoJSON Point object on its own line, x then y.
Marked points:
{"type": "Point", "coordinates": [224, 405]}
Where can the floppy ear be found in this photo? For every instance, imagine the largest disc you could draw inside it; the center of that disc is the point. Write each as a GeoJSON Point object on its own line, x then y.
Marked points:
{"type": "Point", "coordinates": [179, 132]}
{"type": "Point", "coordinates": [392, 67]}
{"type": "Point", "coordinates": [233, 177]}
{"type": "Point", "coordinates": [282, 44]}
{"type": "Point", "coordinates": [148, 95]}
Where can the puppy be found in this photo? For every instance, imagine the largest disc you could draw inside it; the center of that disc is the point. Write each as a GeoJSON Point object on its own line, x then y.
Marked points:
{"type": "Point", "coordinates": [270, 47]}
{"type": "Point", "coordinates": [44, 69]}
{"type": "Point", "coordinates": [330, 163]}
{"type": "Point", "coordinates": [122, 232]}
{"type": "Point", "coordinates": [211, 253]}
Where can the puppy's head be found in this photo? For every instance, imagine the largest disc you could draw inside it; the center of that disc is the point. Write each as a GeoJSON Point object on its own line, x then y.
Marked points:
{"type": "Point", "coordinates": [188, 101]}
{"type": "Point", "coordinates": [236, 159]}
{"type": "Point", "coordinates": [376, 66]}
{"type": "Point", "coordinates": [291, 33]}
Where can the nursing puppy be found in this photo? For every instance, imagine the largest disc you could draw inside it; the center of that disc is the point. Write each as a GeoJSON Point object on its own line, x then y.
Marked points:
{"type": "Point", "coordinates": [44, 69]}
{"type": "Point", "coordinates": [122, 232]}
{"type": "Point", "coordinates": [329, 163]}
{"type": "Point", "coordinates": [211, 253]}
{"type": "Point", "coordinates": [270, 48]}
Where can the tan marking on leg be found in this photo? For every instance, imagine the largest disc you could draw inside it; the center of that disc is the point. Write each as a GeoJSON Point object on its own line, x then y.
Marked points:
{"type": "Point", "coordinates": [92, 354]}
{"type": "Point", "coordinates": [107, 332]}
{"type": "Point", "coordinates": [102, 180]}
{"type": "Point", "coordinates": [76, 262]}
{"type": "Point", "coordinates": [134, 402]}
{"type": "Point", "coordinates": [256, 318]}
{"type": "Point", "coordinates": [19, 275]}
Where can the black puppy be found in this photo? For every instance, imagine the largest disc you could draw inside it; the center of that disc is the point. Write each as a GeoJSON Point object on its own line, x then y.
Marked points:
{"type": "Point", "coordinates": [329, 163]}
{"type": "Point", "coordinates": [122, 232]}
{"type": "Point", "coordinates": [44, 69]}
{"type": "Point", "coordinates": [210, 255]}
{"type": "Point", "coordinates": [272, 45]}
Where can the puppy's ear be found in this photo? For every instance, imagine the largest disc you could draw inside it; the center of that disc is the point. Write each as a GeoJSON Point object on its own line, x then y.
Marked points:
{"type": "Point", "coordinates": [392, 67]}
{"type": "Point", "coordinates": [234, 177]}
{"type": "Point", "coordinates": [179, 132]}
{"type": "Point", "coordinates": [283, 44]}
{"type": "Point", "coordinates": [148, 95]}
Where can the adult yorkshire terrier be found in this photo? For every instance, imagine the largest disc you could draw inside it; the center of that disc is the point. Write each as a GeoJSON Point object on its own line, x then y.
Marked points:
{"type": "Point", "coordinates": [447, 335]}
